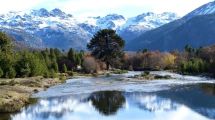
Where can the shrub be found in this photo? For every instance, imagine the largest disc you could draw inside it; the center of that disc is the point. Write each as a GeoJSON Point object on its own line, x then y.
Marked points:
{"type": "Point", "coordinates": [53, 74]}
{"type": "Point", "coordinates": [193, 66]}
{"type": "Point", "coordinates": [64, 68]}
{"type": "Point", "coordinates": [62, 77]}
{"type": "Point", "coordinates": [11, 73]}
{"type": "Point", "coordinates": [70, 73]}
{"type": "Point", "coordinates": [46, 74]}
{"type": "Point", "coordinates": [90, 65]}
{"type": "Point", "coordinates": [168, 60]}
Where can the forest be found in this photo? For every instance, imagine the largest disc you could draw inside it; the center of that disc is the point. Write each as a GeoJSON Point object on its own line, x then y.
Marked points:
{"type": "Point", "coordinates": [52, 62]}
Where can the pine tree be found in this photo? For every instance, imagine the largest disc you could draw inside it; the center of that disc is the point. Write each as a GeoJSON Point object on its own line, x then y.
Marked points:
{"type": "Point", "coordinates": [71, 55]}
{"type": "Point", "coordinates": [107, 46]}
{"type": "Point", "coordinates": [6, 54]}
{"type": "Point", "coordinates": [55, 67]}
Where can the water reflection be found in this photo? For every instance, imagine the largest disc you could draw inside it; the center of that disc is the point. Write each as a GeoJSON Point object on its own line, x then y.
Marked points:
{"type": "Point", "coordinates": [191, 102]}
{"type": "Point", "coordinates": [107, 102]}
{"type": "Point", "coordinates": [209, 88]}
{"type": "Point", "coordinates": [151, 102]}
{"type": "Point", "coordinates": [195, 97]}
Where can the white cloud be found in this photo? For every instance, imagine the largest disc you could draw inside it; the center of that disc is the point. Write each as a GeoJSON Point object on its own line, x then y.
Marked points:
{"type": "Point", "coordinates": [17, 5]}
{"type": "Point", "coordinates": [102, 7]}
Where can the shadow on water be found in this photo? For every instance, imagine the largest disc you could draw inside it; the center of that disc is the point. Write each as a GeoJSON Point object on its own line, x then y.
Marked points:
{"type": "Point", "coordinates": [107, 102]}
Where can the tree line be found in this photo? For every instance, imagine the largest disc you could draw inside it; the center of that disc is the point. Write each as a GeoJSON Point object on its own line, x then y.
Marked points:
{"type": "Point", "coordinates": [107, 46]}
{"type": "Point", "coordinates": [28, 63]}
{"type": "Point", "coordinates": [106, 50]}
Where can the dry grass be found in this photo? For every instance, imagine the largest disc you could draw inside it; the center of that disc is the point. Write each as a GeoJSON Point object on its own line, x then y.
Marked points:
{"type": "Point", "coordinates": [15, 93]}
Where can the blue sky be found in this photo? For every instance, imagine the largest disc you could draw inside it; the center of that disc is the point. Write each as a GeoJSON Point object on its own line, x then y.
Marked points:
{"type": "Point", "coordinates": [127, 8]}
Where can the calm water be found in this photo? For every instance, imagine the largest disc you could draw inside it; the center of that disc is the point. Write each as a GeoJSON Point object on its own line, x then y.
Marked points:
{"type": "Point", "coordinates": [120, 98]}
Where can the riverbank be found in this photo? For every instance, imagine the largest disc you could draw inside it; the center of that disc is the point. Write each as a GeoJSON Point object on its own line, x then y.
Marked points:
{"type": "Point", "coordinates": [15, 93]}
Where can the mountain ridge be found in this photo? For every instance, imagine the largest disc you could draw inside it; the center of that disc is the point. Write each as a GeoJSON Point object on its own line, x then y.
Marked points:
{"type": "Point", "coordinates": [190, 29]}
{"type": "Point", "coordinates": [56, 28]}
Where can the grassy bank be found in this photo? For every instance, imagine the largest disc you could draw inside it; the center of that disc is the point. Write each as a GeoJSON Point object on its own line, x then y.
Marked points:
{"type": "Point", "coordinates": [15, 93]}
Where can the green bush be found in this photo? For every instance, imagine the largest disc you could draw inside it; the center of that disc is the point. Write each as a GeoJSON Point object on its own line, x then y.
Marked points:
{"type": "Point", "coordinates": [46, 74]}
{"type": "Point", "coordinates": [62, 77]}
{"type": "Point", "coordinates": [53, 74]}
{"type": "Point", "coordinates": [193, 66]}
{"type": "Point", "coordinates": [64, 68]}
{"type": "Point", "coordinates": [11, 73]}
{"type": "Point", "coordinates": [70, 73]}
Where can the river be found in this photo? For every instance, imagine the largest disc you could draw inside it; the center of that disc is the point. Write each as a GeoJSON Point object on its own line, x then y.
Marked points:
{"type": "Point", "coordinates": [119, 97]}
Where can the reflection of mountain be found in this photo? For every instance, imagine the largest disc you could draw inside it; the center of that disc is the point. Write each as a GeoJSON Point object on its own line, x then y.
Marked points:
{"type": "Point", "coordinates": [151, 102]}
{"type": "Point", "coordinates": [197, 101]}
{"type": "Point", "coordinates": [49, 109]}
{"type": "Point", "coordinates": [193, 97]}
{"type": "Point", "coordinates": [107, 102]}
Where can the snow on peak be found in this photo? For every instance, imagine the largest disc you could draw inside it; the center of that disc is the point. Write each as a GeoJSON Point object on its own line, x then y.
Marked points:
{"type": "Point", "coordinates": [114, 17]}
{"type": "Point", "coordinates": [111, 21]}
{"type": "Point", "coordinates": [42, 18]}
{"type": "Point", "coordinates": [57, 12]}
{"type": "Point", "coordinates": [41, 12]}
{"type": "Point", "coordinates": [44, 23]}
{"type": "Point", "coordinates": [205, 9]}
{"type": "Point", "coordinates": [149, 20]}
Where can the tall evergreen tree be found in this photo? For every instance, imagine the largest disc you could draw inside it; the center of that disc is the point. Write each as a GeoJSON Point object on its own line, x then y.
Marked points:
{"type": "Point", "coordinates": [107, 46]}
{"type": "Point", "coordinates": [71, 55]}
{"type": "Point", "coordinates": [6, 54]}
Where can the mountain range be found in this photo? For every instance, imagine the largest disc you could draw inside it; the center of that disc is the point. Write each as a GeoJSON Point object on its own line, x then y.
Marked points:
{"type": "Point", "coordinates": [195, 29]}
{"type": "Point", "coordinates": [165, 32]}
{"type": "Point", "coordinates": [57, 29]}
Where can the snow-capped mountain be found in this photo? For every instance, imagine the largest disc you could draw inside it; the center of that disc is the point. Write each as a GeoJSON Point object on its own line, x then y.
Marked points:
{"type": "Point", "coordinates": [55, 28]}
{"type": "Point", "coordinates": [195, 29]}
{"type": "Point", "coordinates": [205, 9]}
{"type": "Point", "coordinates": [147, 21]}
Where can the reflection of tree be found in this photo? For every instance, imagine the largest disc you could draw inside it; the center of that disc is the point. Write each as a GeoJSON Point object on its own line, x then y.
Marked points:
{"type": "Point", "coordinates": [107, 102]}
{"type": "Point", "coordinates": [208, 88]}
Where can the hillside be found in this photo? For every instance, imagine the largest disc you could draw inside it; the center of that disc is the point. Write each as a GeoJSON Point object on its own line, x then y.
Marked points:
{"type": "Point", "coordinates": [195, 29]}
